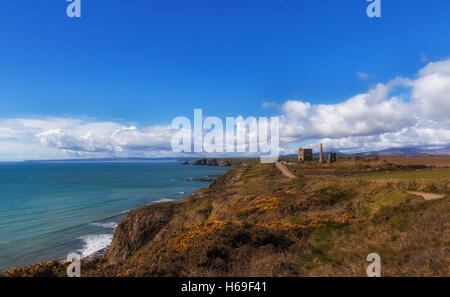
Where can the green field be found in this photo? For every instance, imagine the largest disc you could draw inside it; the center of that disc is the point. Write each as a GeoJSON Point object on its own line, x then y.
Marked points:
{"type": "Point", "coordinates": [435, 174]}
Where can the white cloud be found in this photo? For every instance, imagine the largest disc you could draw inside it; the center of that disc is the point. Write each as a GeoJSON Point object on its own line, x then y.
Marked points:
{"type": "Point", "coordinates": [365, 114]}
{"type": "Point", "coordinates": [431, 90]}
{"type": "Point", "coordinates": [422, 134]}
{"type": "Point", "coordinates": [75, 137]}
{"type": "Point", "coordinates": [12, 150]}
{"type": "Point", "coordinates": [418, 115]}
{"type": "Point", "coordinates": [107, 137]}
{"type": "Point", "coordinates": [401, 112]}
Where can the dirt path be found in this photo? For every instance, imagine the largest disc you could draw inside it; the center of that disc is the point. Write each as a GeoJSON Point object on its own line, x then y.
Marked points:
{"type": "Point", "coordinates": [428, 196]}
{"type": "Point", "coordinates": [284, 170]}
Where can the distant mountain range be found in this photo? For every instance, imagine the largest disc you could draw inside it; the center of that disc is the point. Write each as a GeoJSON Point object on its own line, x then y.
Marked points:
{"type": "Point", "coordinates": [404, 151]}
{"type": "Point", "coordinates": [401, 151]}
{"type": "Point", "coordinates": [410, 151]}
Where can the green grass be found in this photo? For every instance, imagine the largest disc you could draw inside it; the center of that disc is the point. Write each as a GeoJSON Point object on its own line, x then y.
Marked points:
{"type": "Point", "coordinates": [385, 199]}
{"type": "Point", "coordinates": [434, 174]}
{"type": "Point", "coordinates": [338, 194]}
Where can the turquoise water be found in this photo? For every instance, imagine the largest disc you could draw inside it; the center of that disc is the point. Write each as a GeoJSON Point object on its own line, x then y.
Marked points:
{"type": "Point", "coordinates": [48, 210]}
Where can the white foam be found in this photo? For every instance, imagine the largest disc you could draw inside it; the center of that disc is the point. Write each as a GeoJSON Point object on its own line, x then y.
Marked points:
{"type": "Point", "coordinates": [111, 225]}
{"type": "Point", "coordinates": [94, 243]}
{"type": "Point", "coordinates": [160, 200]}
{"type": "Point", "coordinates": [164, 200]}
{"type": "Point", "coordinates": [180, 193]}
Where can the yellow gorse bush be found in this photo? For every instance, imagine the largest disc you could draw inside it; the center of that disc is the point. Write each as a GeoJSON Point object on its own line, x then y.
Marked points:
{"type": "Point", "coordinates": [194, 236]}
{"type": "Point", "coordinates": [319, 219]}
{"type": "Point", "coordinates": [263, 204]}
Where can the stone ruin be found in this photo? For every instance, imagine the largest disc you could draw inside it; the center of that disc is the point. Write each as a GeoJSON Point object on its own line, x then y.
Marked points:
{"type": "Point", "coordinates": [304, 154]}
{"type": "Point", "coordinates": [332, 157]}
{"type": "Point", "coordinates": [321, 154]}
{"type": "Point", "coordinates": [307, 155]}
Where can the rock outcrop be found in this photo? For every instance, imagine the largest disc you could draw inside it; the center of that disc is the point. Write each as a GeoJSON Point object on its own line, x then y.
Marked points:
{"type": "Point", "coordinates": [137, 228]}
{"type": "Point", "coordinates": [219, 162]}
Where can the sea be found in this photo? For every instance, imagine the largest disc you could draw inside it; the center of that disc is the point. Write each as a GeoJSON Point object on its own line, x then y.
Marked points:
{"type": "Point", "coordinates": [51, 209]}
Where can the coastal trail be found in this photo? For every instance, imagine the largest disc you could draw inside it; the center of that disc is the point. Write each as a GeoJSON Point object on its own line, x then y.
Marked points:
{"type": "Point", "coordinates": [427, 196]}
{"type": "Point", "coordinates": [284, 170]}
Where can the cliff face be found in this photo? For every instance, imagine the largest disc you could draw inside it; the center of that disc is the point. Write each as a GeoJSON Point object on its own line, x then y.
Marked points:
{"type": "Point", "coordinates": [138, 228]}
{"type": "Point", "coordinates": [154, 222]}
{"type": "Point", "coordinates": [252, 221]}
{"type": "Point", "coordinates": [223, 162]}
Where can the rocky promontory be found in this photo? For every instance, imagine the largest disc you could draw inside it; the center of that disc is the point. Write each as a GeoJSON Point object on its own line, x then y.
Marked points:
{"type": "Point", "coordinates": [223, 162]}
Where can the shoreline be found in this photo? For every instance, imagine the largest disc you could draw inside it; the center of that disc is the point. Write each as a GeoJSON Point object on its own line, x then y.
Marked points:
{"type": "Point", "coordinates": [161, 201]}
{"type": "Point", "coordinates": [92, 243]}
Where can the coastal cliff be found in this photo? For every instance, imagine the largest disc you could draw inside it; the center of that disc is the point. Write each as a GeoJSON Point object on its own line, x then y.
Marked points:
{"type": "Point", "coordinates": [223, 162]}
{"type": "Point", "coordinates": [253, 221]}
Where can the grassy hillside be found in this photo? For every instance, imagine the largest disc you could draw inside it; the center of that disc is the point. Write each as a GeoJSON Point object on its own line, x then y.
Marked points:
{"type": "Point", "coordinates": [253, 221]}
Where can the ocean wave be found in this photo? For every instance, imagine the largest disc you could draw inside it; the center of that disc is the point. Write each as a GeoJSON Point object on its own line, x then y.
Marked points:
{"type": "Point", "coordinates": [180, 193]}
{"type": "Point", "coordinates": [164, 200]}
{"type": "Point", "coordinates": [86, 223]}
{"type": "Point", "coordinates": [94, 243]}
{"type": "Point", "coordinates": [111, 225]}
{"type": "Point", "coordinates": [160, 200]}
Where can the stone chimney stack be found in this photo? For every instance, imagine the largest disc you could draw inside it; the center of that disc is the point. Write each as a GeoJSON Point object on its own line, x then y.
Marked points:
{"type": "Point", "coordinates": [321, 154]}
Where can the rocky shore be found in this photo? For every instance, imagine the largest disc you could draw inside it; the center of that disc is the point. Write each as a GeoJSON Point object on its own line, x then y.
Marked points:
{"type": "Point", "coordinates": [221, 162]}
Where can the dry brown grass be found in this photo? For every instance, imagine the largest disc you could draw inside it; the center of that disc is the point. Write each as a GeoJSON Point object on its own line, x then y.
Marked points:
{"type": "Point", "coordinates": [438, 161]}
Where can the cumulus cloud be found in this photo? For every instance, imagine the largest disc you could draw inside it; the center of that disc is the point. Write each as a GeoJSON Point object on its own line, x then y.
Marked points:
{"type": "Point", "coordinates": [107, 137]}
{"type": "Point", "coordinates": [364, 114]}
{"type": "Point", "coordinates": [431, 90]}
{"type": "Point", "coordinates": [84, 136]}
{"type": "Point", "coordinates": [431, 134]}
{"type": "Point", "coordinates": [418, 114]}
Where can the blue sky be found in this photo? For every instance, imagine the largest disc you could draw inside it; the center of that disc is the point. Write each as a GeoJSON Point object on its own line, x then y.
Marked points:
{"type": "Point", "coordinates": [147, 62]}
